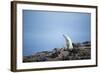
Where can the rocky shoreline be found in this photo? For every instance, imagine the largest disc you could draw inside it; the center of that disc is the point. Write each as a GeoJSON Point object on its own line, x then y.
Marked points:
{"type": "Point", "coordinates": [80, 51]}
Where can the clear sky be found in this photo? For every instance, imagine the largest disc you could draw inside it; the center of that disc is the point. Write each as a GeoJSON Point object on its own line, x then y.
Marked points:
{"type": "Point", "coordinates": [43, 30]}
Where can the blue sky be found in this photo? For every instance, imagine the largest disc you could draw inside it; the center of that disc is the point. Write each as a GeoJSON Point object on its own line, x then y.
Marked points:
{"type": "Point", "coordinates": [43, 30]}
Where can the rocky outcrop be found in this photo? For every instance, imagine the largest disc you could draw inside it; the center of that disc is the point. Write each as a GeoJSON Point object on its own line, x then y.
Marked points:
{"type": "Point", "coordinates": [79, 52]}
